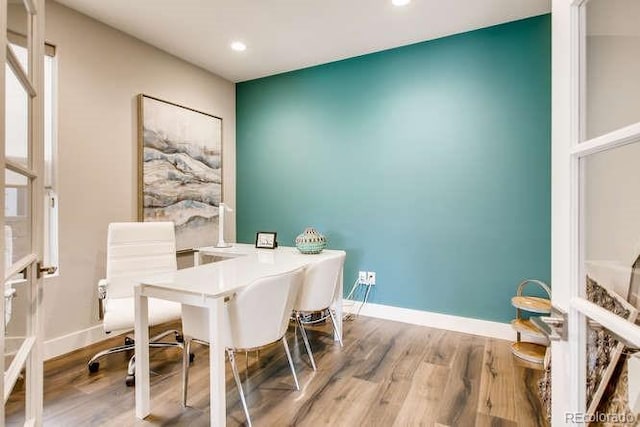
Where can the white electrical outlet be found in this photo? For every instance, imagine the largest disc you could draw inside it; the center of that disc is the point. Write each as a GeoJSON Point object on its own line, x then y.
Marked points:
{"type": "Point", "coordinates": [371, 277]}
{"type": "Point", "coordinates": [362, 277]}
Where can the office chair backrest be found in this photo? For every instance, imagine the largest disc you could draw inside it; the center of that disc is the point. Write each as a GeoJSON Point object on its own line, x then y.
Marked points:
{"type": "Point", "coordinates": [320, 284]}
{"type": "Point", "coordinates": [259, 314]}
{"type": "Point", "coordinates": [136, 249]}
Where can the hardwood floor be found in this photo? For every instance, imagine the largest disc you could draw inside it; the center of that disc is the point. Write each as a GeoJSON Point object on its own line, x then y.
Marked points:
{"type": "Point", "coordinates": [387, 374]}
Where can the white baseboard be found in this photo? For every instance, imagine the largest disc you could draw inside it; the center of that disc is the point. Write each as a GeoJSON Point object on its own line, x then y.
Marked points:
{"type": "Point", "coordinates": [466, 325]}
{"type": "Point", "coordinates": [76, 340]}
{"type": "Point", "coordinates": [73, 341]}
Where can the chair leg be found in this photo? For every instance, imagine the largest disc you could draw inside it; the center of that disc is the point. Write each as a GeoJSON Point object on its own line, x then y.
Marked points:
{"type": "Point", "coordinates": [185, 369]}
{"type": "Point", "coordinates": [333, 322]}
{"type": "Point", "coordinates": [306, 341]}
{"type": "Point", "coordinates": [234, 368]}
{"type": "Point", "coordinates": [293, 369]}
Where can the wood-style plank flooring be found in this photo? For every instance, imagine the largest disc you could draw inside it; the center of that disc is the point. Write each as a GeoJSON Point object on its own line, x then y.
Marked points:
{"type": "Point", "coordinates": [387, 374]}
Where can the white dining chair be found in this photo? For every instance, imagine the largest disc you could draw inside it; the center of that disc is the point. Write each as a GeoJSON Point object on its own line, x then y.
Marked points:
{"type": "Point", "coordinates": [135, 250]}
{"type": "Point", "coordinates": [317, 293]}
{"type": "Point", "coordinates": [255, 316]}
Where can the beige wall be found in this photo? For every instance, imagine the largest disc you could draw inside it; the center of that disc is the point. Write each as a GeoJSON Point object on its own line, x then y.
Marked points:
{"type": "Point", "coordinates": [100, 72]}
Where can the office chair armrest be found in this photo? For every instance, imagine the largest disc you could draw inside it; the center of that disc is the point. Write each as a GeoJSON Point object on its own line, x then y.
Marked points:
{"type": "Point", "coordinates": [103, 285]}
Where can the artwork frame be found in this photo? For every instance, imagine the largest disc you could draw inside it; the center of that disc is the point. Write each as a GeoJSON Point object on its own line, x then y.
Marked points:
{"type": "Point", "coordinates": [266, 240]}
{"type": "Point", "coordinates": [180, 169]}
{"type": "Point", "coordinates": [603, 349]}
{"type": "Point", "coordinates": [634, 284]}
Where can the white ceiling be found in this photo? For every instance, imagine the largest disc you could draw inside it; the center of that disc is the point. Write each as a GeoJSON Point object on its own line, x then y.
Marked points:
{"type": "Point", "coordinates": [284, 35]}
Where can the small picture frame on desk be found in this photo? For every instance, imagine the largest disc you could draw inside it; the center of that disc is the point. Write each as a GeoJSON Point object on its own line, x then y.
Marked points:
{"type": "Point", "coordinates": [266, 240]}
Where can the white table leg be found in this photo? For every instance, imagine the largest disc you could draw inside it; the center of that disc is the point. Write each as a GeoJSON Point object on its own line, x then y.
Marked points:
{"type": "Point", "coordinates": [196, 258]}
{"type": "Point", "coordinates": [338, 307]}
{"type": "Point", "coordinates": [218, 405]}
{"type": "Point", "coordinates": [143, 407]}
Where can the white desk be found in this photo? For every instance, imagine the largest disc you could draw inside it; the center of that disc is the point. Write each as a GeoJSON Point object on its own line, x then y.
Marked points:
{"type": "Point", "coordinates": [206, 286]}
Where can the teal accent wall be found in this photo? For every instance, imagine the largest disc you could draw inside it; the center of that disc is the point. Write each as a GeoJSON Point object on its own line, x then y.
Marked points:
{"type": "Point", "coordinates": [429, 164]}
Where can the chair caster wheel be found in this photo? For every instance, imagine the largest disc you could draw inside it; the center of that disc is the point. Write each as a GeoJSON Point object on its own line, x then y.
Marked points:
{"type": "Point", "coordinates": [129, 341]}
{"type": "Point", "coordinates": [130, 381]}
{"type": "Point", "coordinates": [179, 338]}
{"type": "Point", "coordinates": [192, 357]}
{"type": "Point", "coordinates": [93, 367]}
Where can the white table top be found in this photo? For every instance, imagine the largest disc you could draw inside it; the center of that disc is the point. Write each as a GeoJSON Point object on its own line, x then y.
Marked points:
{"type": "Point", "coordinates": [245, 264]}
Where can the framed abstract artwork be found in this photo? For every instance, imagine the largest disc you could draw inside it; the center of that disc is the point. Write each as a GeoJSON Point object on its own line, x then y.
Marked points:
{"type": "Point", "coordinates": [179, 169]}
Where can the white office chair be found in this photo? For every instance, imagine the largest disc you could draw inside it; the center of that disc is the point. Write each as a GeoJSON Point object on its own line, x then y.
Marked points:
{"type": "Point", "coordinates": [134, 250]}
{"type": "Point", "coordinates": [317, 294]}
{"type": "Point", "coordinates": [255, 316]}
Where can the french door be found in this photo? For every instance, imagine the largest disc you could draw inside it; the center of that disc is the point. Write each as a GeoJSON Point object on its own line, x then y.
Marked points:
{"type": "Point", "coordinates": [595, 207]}
{"type": "Point", "coordinates": [22, 158]}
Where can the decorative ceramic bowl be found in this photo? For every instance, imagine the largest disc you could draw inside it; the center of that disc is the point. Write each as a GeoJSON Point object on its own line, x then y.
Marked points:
{"type": "Point", "coordinates": [310, 241]}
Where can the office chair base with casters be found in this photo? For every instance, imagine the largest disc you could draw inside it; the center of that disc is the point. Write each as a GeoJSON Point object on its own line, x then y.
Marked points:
{"type": "Point", "coordinates": [93, 365]}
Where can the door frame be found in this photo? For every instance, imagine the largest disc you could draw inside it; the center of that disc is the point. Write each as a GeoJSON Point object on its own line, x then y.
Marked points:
{"type": "Point", "coordinates": [564, 228]}
{"type": "Point", "coordinates": [567, 248]}
{"type": "Point", "coordinates": [30, 354]}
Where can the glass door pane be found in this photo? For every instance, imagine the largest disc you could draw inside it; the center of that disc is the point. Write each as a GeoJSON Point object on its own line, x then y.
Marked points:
{"type": "Point", "coordinates": [17, 29]}
{"type": "Point", "coordinates": [612, 50]}
{"type": "Point", "coordinates": [16, 122]}
{"type": "Point", "coordinates": [49, 173]}
{"type": "Point", "coordinates": [611, 251]}
{"type": "Point", "coordinates": [612, 211]}
{"type": "Point", "coordinates": [17, 217]}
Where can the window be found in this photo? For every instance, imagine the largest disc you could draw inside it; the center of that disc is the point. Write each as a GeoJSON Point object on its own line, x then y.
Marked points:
{"type": "Point", "coordinates": [16, 190]}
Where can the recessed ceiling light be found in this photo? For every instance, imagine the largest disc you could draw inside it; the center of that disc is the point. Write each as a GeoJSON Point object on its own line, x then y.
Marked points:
{"type": "Point", "coordinates": [238, 46]}
{"type": "Point", "coordinates": [400, 2]}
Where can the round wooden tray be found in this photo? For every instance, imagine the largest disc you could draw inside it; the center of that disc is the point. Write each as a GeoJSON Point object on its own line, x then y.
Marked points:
{"type": "Point", "coordinates": [529, 351]}
{"type": "Point", "coordinates": [526, 327]}
{"type": "Point", "coordinates": [532, 304]}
